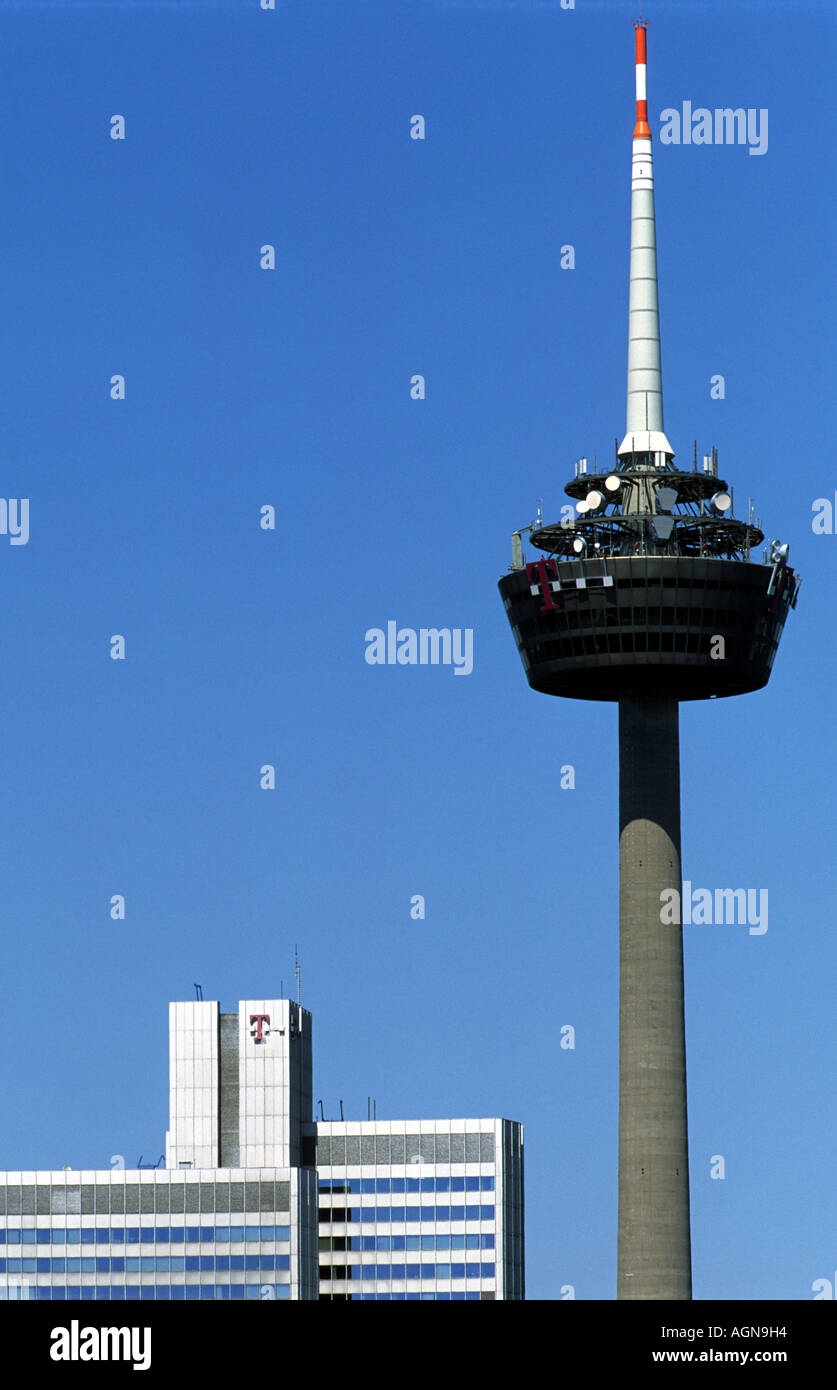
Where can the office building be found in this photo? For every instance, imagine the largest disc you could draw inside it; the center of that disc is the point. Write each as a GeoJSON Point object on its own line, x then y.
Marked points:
{"type": "Point", "coordinates": [429, 1209]}
{"type": "Point", "coordinates": [257, 1201]}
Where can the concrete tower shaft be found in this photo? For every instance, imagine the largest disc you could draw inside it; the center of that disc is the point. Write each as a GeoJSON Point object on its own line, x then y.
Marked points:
{"type": "Point", "coordinates": [654, 1259]}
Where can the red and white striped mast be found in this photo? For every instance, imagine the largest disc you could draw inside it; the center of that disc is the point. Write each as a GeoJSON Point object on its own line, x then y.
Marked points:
{"type": "Point", "coordinates": [644, 428]}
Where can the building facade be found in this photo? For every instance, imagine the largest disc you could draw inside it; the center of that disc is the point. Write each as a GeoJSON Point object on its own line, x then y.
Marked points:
{"type": "Point", "coordinates": [227, 1233]}
{"type": "Point", "coordinates": [420, 1209]}
{"type": "Point", "coordinates": [257, 1201]}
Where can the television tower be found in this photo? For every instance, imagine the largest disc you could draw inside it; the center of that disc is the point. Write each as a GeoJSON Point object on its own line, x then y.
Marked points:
{"type": "Point", "coordinates": [648, 596]}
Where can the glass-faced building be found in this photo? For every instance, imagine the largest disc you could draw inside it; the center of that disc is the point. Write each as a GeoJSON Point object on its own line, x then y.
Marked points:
{"type": "Point", "coordinates": [420, 1209]}
{"type": "Point", "coordinates": [235, 1233]}
{"type": "Point", "coordinates": [259, 1202]}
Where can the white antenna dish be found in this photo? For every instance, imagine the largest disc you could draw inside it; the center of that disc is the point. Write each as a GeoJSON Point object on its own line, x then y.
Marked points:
{"type": "Point", "coordinates": [722, 501]}
{"type": "Point", "coordinates": [594, 500]}
{"type": "Point", "coordinates": [613, 483]}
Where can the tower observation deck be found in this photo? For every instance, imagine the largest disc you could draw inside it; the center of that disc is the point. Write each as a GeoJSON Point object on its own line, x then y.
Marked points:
{"type": "Point", "coordinates": [647, 594]}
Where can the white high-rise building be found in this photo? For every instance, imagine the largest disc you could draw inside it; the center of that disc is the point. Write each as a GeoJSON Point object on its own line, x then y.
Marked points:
{"type": "Point", "coordinates": [257, 1201]}
{"type": "Point", "coordinates": [240, 1084]}
{"type": "Point", "coordinates": [420, 1209]}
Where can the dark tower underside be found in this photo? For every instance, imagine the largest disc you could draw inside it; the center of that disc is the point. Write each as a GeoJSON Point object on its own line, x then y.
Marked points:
{"type": "Point", "coordinates": [603, 629]}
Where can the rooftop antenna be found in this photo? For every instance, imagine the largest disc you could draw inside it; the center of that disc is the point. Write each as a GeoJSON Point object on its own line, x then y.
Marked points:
{"type": "Point", "coordinates": [341, 1109]}
{"type": "Point", "coordinates": [322, 1116]}
{"type": "Point", "coordinates": [199, 991]}
{"type": "Point", "coordinates": [298, 973]}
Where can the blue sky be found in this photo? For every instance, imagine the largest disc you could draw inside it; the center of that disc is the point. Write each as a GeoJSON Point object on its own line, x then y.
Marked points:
{"type": "Point", "coordinates": [291, 387]}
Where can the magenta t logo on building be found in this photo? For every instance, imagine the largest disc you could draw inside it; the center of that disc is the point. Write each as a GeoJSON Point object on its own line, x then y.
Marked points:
{"type": "Point", "coordinates": [256, 1031]}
